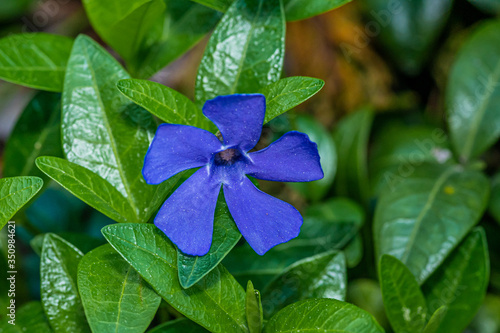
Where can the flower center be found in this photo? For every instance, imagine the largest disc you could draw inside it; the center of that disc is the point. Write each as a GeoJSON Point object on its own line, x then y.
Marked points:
{"type": "Point", "coordinates": [228, 156]}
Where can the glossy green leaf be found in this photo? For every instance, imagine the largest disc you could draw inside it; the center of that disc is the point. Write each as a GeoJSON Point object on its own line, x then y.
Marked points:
{"type": "Point", "coordinates": [186, 23]}
{"type": "Point", "coordinates": [15, 193]}
{"type": "Point", "coordinates": [403, 300]}
{"type": "Point", "coordinates": [220, 5]}
{"type": "Point", "coordinates": [35, 60]}
{"type": "Point", "coordinates": [82, 242]}
{"type": "Point", "coordinates": [254, 309]}
{"type": "Point", "coordinates": [165, 103]}
{"type": "Point", "coordinates": [332, 223]}
{"type": "Point", "coordinates": [37, 133]}
{"type": "Point", "coordinates": [106, 133]}
{"type": "Point", "coordinates": [424, 217]}
{"type": "Point", "coordinates": [399, 149]}
{"type": "Point", "coordinates": [320, 276]}
{"type": "Point", "coordinates": [88, 187]}
{"type": "Point", "coordinates": [494, 205]}
{"type": "Point", "coordinates": [294, 9]}
{"type": "Point", "coordinates": [488, 6]}
{"type": "Point", "coordinates": [351, 139]}
{"type": "Point", "coordinates": [182, 325]}
{"type": "Point", "coordinates": [225, 236]}
{"type": "Point", "coordinates": [59, 291]}
{"type": "Point", "coordinates": [217, 302]}
{"type": "Point", "coordinates": [303, 9]}
{"type": "Point", "coordinates": [435, 321]}
{"type": "Point", "coordinates": [287, 93]}
{"type": "Point", "coordinates": [126, 26]}
{"type": "Point", "coordinates": [114, 296]}
{"type": "Point", "coordinates": [460, 283]}
{"type": "Point", "coordinates": [322, 315]}
{"type": "Point", "coordinates": [316, 190]}
{"type": "Point", "coordinates": [326, 226]}
{"type": "Point", "coordinates": [28, 318]}
{"type": "Point", "coordinates": [407, 29]}
{"type": "Point", "coordinates": [473, 93]}
{"type": "Point", "coordinates": [245, 52]}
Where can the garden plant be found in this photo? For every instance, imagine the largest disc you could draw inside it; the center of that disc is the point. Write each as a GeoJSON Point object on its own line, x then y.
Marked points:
{"type": "Point", "coordinates": [250, 166]}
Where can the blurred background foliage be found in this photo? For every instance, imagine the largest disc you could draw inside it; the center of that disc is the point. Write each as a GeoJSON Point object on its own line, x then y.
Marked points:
{"type": "Point", "coordinates": [388, 69]}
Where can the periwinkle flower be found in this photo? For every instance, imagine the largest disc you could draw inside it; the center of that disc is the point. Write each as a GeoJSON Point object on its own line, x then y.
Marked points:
{"type": "Point", "coordinates": [187, 216]}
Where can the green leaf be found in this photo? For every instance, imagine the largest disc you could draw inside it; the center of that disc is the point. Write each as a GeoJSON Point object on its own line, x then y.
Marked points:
{"type": "Point", "coordinates": [13, 8]}
{"type": "Point", "coordinates": [254, 309]}
{"type": "Point", "coordinates": [126, 26]}
{"type": "Point", "coordinates": [351, 139]}
{"type": "Point", "coordinates": [473, 93]}
{"type": "Point", "coordinates": [88, 187]}
{"type": "Point", "coordinates": [182, 325]}
{"type": "Point", "coordinates": [320, 276]}
{"type": "Point", "coordinates": [165, 103]}
{"type": "Point", "coordinates": [326, 226]}
{"type": "Point", "coordinates": [59, 291]}
{"type": "Point", "coordinates": [295, 9]}
{"type": "Point", "coordinates": [322, 315]}
{"type": "Point", "coordinates": [399, 148]}
{"type": "Point", "coordinates": [186, 23]}
{"type": "Point", "coordinates": [220, 5]}
{"type": "Point", "coordinates": [435, 321]}
{"type": "Point", "coordinates": [245, 52]}
{"type": "Point", "coordinates": [303, 9]}
{"type": "Point", "coordinates": [28, 318]}
{"type": "Point", "coordinates": [366, 294]}
{"type": "Point", "coordinates": [35, 60]}
{"type": "Point", "coordinates": [225, 236]}
{"type": "Point", "coordinates": [424, 217]}
{"type": "Point", "coordinates": [15, 193]}
{"type": "Point", "coordinates": [494, 205]}
{"type": "Point", "coordinates": [103, 131]}
{"type": "Point", "coordinates": [403, 301]}
{"type": "Point", "coordinates": [217, 302]}
{"type": "Point", "coordinates": [332, 223]}
{"type": "Point", "coordinates": [316, 190]}
{"type": "Point", "coordinates": [460, 283]}
{"type": "Point", "coordinates": [408, 30]}
{"type": "Point", "coordinates": [287, 93]}
{"type": "Point", "coordinates": [354, 251]}
{"type": "Point", "coordinates": [82, 242]}
{"type": "Point", "coordinates": [114, 296]}
{"type": "Point", "coordinates": [487, 319]}
{"type": "Point", "coordinates": [488, 6]}
{"type": "Point", "coordinates": [37, 133]}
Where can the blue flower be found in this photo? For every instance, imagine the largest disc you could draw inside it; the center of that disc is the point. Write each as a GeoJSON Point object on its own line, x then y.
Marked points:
{"type": "Point", "coordinates": [187, 216]}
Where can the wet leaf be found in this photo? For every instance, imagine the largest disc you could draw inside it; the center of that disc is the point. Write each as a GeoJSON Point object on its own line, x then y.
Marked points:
{"type": "Point", "coordinates": [217, 302]}
{"type": "Point", "coordinates": [460, 283]}
{"type": "Point", "coordinates": [59, 292]}
{"type": "Point", "coordinates": [328, 315]}
{"type": "Point", "coordinates": [35, 60]}
{"type": "Point", "coordinates": [15, 193]}
{"type": "Point", "coordinates": [245, 52]}
{"type": "Point", "coordinates": [473, 93]}
{"type": "Point", "coordinates": [320, 276]}
{"type": "Point", "coordinates": [403, 300]}
{"type": "Point", "coordinates": [424, 217]}
{"type": "Point", "coordinates": [114, 296]}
